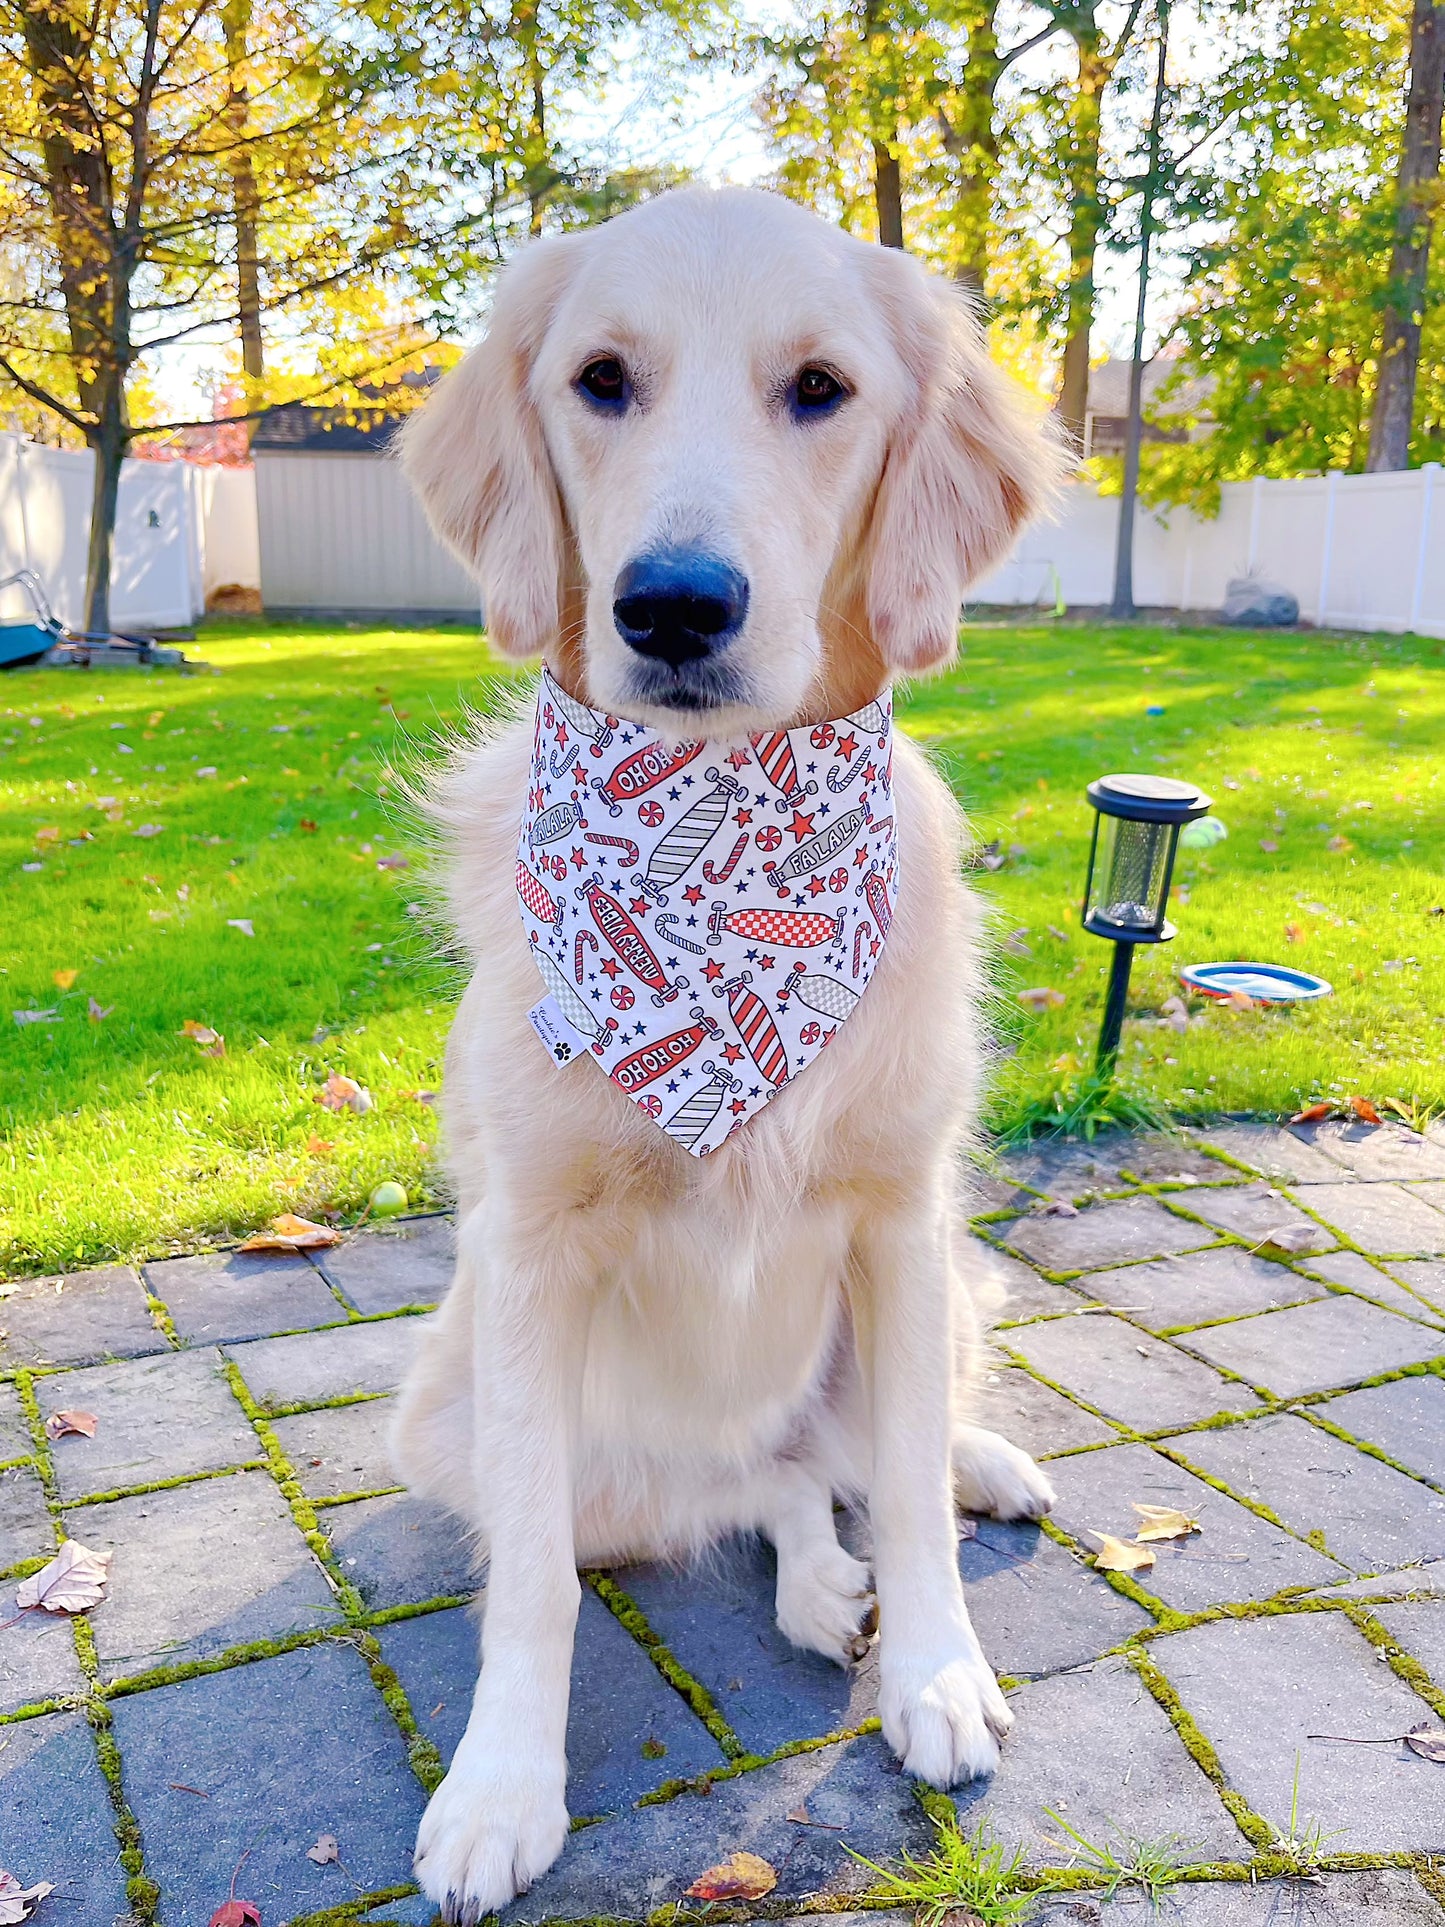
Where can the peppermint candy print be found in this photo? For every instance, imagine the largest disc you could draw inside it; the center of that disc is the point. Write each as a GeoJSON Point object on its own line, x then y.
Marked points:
{"type": "Point", "coordinates": [706, 914]}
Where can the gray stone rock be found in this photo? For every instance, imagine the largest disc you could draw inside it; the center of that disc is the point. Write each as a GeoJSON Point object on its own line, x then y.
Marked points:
{"type": "Point", "coordinates": [56, 1820]}
{"type": "Point", "coordinates": [1386, 1219]}
{"type": "Point", "coordinates": [644, 1859]}
{"type": "Point", "coordinates": [1252, 603]}
{"type": "Point", "coordinates": [1035, 1608]}
{"type": "Point", "coordinates": [15, 1441]}
{"type": "Point", "coordinates": [398, 1552]}
{"type": "Point", "coordinates": [1372, 1517]}
{"type": "Point", "coordinates": [1125, 1373]}
{"type": "Point", "coordinates": [339, 1450]}
{"type": "Point", "coordinates": [37, 1663]}
{"type": "Point", "coordinates": [389, 1267]}
{"type": "Point", "coordinates": [1030, 1296]}
{"type": "Point", "coordinates": [1424, 1278]}
{"type": "Point", "coordinates": [1260, 1688]}
{"type": "Point", "coordinates": [1238, 1556]}
{"type": "Point", "coordinates": [286, 1749]}
{"type": "Point", "coordinates": [1272, 1151]}
{"type": "Point", "coordinates": [157, 1418]}
{"type": "Point", "coordinates": [1425, 1581]}
{"type": "Point", "coordinates": [1097, 1747]}
{"type": "Point", "coordinates": [1375, 1150]}
{"type": "Point", "coordinates": [70, 1320]}
{"type": "Point", "coordinates": [1405, 1419]}
{"type": "Point", "coordinates": [1254, 1210]}
{"type": "Point", "coordinates": [197, 1569]}
{"type": "Point", "coordinates": [242, 1294]}
{"type": "Point", "coordinates": [310, 1369]}
{"type": "Point", "coordinates": [1419, 1626]}
{"type": "Point", "coordinates": [1175, 1293]}
{"type": "Point", "coordinates": [1314, 1348]}
{"type": "Point", "coordinates": [1105, 1234]}
{"type": "Point", "coordinates": [620, 1704]}
{"type": "Point", "coordinates": [1389, 1896]}
{"type": "Point", "coordinates": [25, 1529]}
{"type": "Point", "coordinates": [1034, 1416]}
{"type": "Point", "coordinates": [1360, 1274]}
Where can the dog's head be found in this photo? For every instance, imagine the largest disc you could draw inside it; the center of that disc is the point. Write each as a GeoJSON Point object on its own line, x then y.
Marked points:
{"type": "Point", "coordinates": [725, 464]}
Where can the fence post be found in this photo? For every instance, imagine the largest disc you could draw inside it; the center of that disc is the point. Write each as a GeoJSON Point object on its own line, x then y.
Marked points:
{"type": "Point", "coordinates": [1428, 474]}
{"type": "Point", "coordinates": [1331, 483]}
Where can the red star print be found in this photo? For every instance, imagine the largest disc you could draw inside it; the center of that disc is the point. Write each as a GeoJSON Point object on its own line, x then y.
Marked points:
{"type": "Point", "coordinates": [737, 1107]}
{"type": "Point", "coordinates": [579, 860]}
{"type": "Point", "coordinates": [873, 948]}
{"type": "Point", "coordinates": [829, 1035]}
{"type": "Point", "coordinates": [739, 759]}
{"type": "Point", "coordinates": [845, 747]}
{"type": "Point", "coordinates": [712, 970]}
{"type": "Point", "coordinates": [742, 818]}
{"type": "Point", "coordinates": [816, 886]}
{"type": "Point", "coordinates": [767, 963]}
{"type": "Point", "coordinates": [732, 1052]}
{"type": "Point", "coordinates": [801, 825]}
{"type": "Point", "coordinates": [638, 906]}
{"type": "Point", "coordinates": [860, 855]}
{"type": "Point", "coordinates": [561, 734]}
{"type": "Point", "coordinates": [870, 772]}
{"type": "Point", "coordinates": [610, 967]}
{"type": "Point", "coordinates": [693, 893]}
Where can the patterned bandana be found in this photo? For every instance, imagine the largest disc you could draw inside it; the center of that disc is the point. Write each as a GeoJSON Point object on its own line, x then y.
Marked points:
{"type": "Point", "coordinates": [704, 914]}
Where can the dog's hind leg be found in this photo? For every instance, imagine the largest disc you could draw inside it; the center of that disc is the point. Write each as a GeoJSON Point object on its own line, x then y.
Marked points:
{"type": "Point", "coordinates": [992, 1476]}
{"type": "Point", "coordinates": [824, 1598]}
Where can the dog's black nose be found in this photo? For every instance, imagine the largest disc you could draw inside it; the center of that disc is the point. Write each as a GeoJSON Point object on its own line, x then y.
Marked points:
{"type": "Point", "coordinates": [679, 604]}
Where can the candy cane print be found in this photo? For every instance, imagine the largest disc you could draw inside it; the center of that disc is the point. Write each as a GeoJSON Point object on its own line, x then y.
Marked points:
{"type": "Point", "coordinates": [864, 931]}
{"type": "Point", "coordinates": [692, 1117]}
{"type": "Point", "coordinates": [561, 769]}
{"type": "Point", "coordinates": [788, 929]}
{"type": "Point", "coordinates": [667, 927]}
{"type": "Point", "coordinates": [775, 752]}
{"type": "Point", "coordinates": [584, 938]}
{"type": "Point", "coordinates": [872, 887]}
{"type": "Point", "coordinates": [679, 847]}
{"type": "Point", "coordinates": [538, 898]}
{"type": "Point", "coordinates": [642, 771]}
{"type": "Point", "coordinates": [572, 1007]}
{"type": "Point", "coordinates": [823, 994]}
{"type": "Point", "coordinates": [756, 1028]}
{"type": "Point", "coordinates": [651, 1061]}
{"type": "Point", "coordinates": [628, 941]}
{"type": "Point", "coordinates": [842, 776]}
{"type": "Point", "coordinates": [629, 849]}
{"type": "Point", "coordinates": [722, 875]}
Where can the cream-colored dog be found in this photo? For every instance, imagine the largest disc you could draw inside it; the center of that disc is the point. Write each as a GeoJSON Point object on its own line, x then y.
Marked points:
{"type": "Point", "coordinates": [642, 1349]}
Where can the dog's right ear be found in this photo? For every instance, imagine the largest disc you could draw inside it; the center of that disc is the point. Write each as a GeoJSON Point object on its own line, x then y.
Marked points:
{"type": "Point", "coordinates": [475, 454]}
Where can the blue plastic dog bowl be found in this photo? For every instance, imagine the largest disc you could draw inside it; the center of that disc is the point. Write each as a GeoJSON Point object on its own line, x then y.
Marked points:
{"type": "Point", "coordinates": [1265, 983]}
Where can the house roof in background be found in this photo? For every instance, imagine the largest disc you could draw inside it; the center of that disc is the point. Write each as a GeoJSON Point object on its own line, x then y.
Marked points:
{"type": "Point", "coordinates": [1109, 388]}
{"type": "Point", "coordinates": [295, 428]}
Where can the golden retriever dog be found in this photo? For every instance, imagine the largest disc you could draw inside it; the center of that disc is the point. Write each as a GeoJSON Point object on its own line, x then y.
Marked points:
{"type": "Point", "coordinates": [728, 471]}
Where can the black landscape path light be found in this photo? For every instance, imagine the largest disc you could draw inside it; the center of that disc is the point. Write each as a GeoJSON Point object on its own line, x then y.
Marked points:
{"type": "Point", "coordinates": [1131, 860]}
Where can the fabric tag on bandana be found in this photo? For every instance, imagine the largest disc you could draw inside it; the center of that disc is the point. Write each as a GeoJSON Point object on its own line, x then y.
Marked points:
{"type": "Point", "coordinates": [704, 915]}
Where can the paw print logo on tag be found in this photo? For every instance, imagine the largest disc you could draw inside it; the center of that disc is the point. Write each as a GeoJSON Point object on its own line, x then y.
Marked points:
{"type": "Point", "coordinates": [562, 1051]}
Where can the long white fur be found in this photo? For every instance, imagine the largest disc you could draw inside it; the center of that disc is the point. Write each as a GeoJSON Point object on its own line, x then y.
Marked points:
{"type": "Point", "coordinates": [642, 1350]}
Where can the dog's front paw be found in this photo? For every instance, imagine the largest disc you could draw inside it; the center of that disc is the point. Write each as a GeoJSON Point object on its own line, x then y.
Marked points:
{"type": "Point", "coordinates": [825, 1603]}
{"type": "Point", "coordinates": [943, 1717]}
{"type": "Point", "coordinates": [994, 1477]}
{"type": "Point", "coordinates": [493, 1826]}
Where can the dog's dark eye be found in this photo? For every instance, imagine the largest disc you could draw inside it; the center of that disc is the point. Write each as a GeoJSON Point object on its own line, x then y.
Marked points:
{"type": "Point", "coordinates": [815, 392]}
{"type": "Point", "coordinates": [605, 381]}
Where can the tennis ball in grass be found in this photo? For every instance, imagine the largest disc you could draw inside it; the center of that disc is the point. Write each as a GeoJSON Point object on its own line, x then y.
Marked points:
{"type": "Point", "coordinates": [387, 1199]}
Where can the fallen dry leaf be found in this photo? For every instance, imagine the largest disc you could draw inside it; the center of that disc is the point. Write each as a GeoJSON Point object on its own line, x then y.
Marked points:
{"type": "Point", "coordinates": [742, 1876]}
{"type": "Point", "coordinates": [63, 979]}
{"type": "Point", "coordinates": [1041, 997]}
{"type": "Point", "coordinates": [72, 1582]}
{"type": "Point", "coordinates": [1118, 1555]}
{"type": "Point", "coordinates": [202, 1033]}
{"type": "Point", "coordinates": [1294, 933]}
{"type": "Point", "coordinates": [243, 924]}
{"type": "Point", "coordinates": [1292, 1238]}
{"type": "Point", "coordinates": [1364, 1110]}
{"type": "Point", "coordinates": [16, 1901]}
{"type": "Point", "coordinates": [98, 1013]}
{"type": "Point", "coordinates": [344, 1094]}
{"type": "Point", "coordinates": [319, 1147]}
{"type": "Point", "coordinates": [1337, 845]}
{"type": "Point", "coordinates": [36, 1016]}
{"type": "Point", "coordinates": [397, 862]}
{"type": "Point", "coordinates": [236, 1913]}
{"type": "Point", "coordinates": [1163, 1522]}
{"type": "Point", "coordinates": [1268, 845]}
{"type": "Point", "coordinates": [62, 1425]}
{"type": "Point", "coordinates": [327, 1849]}
{"type": "Point", "coordinates": [1054, 1208]}
{"type": "Point", "coordinates": [1313, 1114]}
{"type": "Point", "coordinates": [1238, 1000]}
{"type": "Point", "coordinates": [290, 1233]}
{"type": "Point", "coordinates": [1428, 1742]}
{"type": "Point", "coordinates": [308, 825]}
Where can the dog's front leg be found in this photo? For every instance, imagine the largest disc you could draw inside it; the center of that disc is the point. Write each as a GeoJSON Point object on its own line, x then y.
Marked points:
{"type": "Point", "coordinates": [941, 1707]}
{"type": "Point", "coordinates": [499, 1818]}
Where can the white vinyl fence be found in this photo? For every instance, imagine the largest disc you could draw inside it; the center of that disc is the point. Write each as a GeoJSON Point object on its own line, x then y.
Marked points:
{"type": "Point", "coordinates": [1359, 551]}
{"type": "Point", "coordinates": [181, 531]}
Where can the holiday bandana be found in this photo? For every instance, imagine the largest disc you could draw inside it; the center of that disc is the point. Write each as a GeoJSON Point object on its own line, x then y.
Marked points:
{"type": "Point", "coordinates": [704, 915]}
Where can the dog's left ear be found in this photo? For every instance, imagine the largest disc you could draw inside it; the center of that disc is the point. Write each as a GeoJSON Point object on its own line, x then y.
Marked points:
{"type": "Point", "coordinates": [967, 467]}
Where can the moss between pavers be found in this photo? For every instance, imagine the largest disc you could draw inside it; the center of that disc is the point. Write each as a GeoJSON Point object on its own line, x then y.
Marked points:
{"type": "Point", "coordinates": [164, 1485]}
{"type": "Point", "coordinates": [1252, 1825]}
{"type": "Point", "coordinates": [630, 1615]}
{"type": "Point", "coordinates": [1404, 1665]}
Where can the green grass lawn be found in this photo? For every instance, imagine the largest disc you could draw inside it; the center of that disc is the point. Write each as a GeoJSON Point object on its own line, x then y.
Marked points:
{"type": "Point", "coordinates": [270, 790]}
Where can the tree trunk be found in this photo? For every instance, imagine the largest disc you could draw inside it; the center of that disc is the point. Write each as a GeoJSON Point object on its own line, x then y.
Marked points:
{"type": "Point", "coordinates": [237, 24]}
{"type": "Point", "coordinates": [1086, 220]}
{"type": "Point", "coordinates": [971, 138]}
{"type": "Point", "coordinates": [887, 169]}
{"type": "Point", "coordinates": [108, 443]}
{"type": "Point", "coordinates": [1417, 185]}
{"type": "Point", "coordinates": [888, 195]}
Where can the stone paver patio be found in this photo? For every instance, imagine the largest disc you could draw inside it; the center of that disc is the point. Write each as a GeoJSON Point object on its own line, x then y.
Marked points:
{"type": "Point", "coordinates": [287, 1647]}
